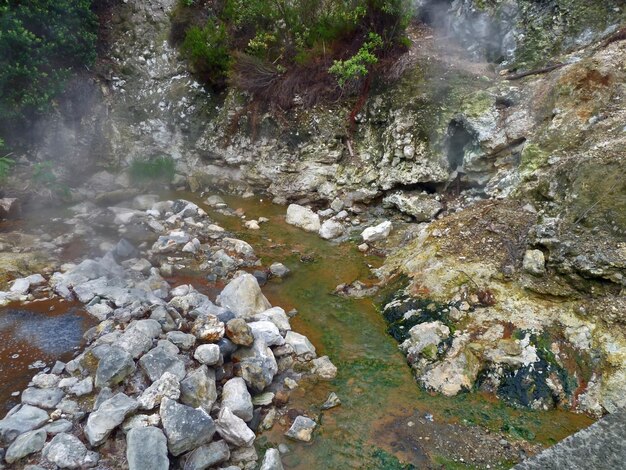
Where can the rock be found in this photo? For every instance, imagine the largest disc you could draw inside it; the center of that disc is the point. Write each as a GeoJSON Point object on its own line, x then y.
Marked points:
{"type": "Point", "coordinates": [363, 247]}
{"type": "Point", "coordinates": [379, 232]}
{"type": "Point", "coordinates": [20, 286]}
{"type": "Point", "coordinates": [238, 331]}
{"type": "Point", "coordinates": [243, 297]}
{"type": "Point", "coordinates": [271, 460]}
{"type": "Point", "coordinates": [258, 365]}
{"type": "Point", "coordinates": [208, 328]}
{"type": "Point", "coordinates": [208, 354]}
{"type": "Point", "coordinates": [46, 381]}
{"type": "Point", "coordinates": [331, 402]}
{"type": "Point", "coordinates": [186, 428]}
{"type": "Point", "coordinates": [171, 243]}
{"type": "Point", "coordinates": [303, 217]}
{"type": "Point", "coordinates": [215, 201]}
{"type": "Point", "coordinates": [301, 429]}
{"type": "Point", "coordinates": [109, 415]}
{"type": "Point", "coordinates": [81, 388]}
{"type": "Point", "coordinates": [146, 449]}
{"type": "Point", "coordinates": [65, 451]}
{"type": "Point", "coordinates": [423, 207]}
{"type": "Point", "coordinates": [278, 317]}
{"type": "Point", "coordinates": [207, 456]}
{"type": "Point", "coordinates": [267, 332]}
{"type": "Point", "coordinates": [158, 361]}
{"type": "Point", "coordinates": [301, 345]}
{"type": "Point", "coordinates": [125, 250]}
{"type": "Point", "coordinates": [423, 339]}
{"type": "Point", "coordinates": [324, 369]}
{"type": "Point", "coordinates": [26, 444]}
{"type": "Point", "coordinates": [234, 429]}
{"type": "Point", "coordinates": [198, 390]}
{"type": "Point", "coordinates": [279, 270]}
{"type": "Point", "coordinates": [10, 208]}
{"type": "Point", "coordinates": [263, 399]}
{"type": "Point", "coordinates": [252, 225]}
{"type": "Point", "coordinates": [331, 229]}
{"type": "Point", "coordinates": [534, 262]}
{"type": "Point", "coordinates": [114, 367]}
{"type": "Point", "coordinates": [135, 343]}
{"type": "Point", "coordinates": [182, 340]}
{"type": "Point", "coordinates": [166, 386]}
{"type": "Point", "coordinates": [456, 372]}
{"type": "Point", "coordinates": [58, 426]}
{"type": "Point", "coordinates": [42, 397]}
{"type": "Point", "coordinates": [261, 277]}
{"type": "Point", "coordinates": [235, 396]}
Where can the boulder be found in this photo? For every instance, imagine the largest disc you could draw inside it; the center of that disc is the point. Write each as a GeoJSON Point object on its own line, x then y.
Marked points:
{"type": "Point", "coordinates": [376, 233]}
{"type": "Point", "coordinates": [208, 328]}
{"type": "Point", "coordinates": [107, 417]}
{"type": "Point", "coordinates": [534, 262]}
{"type": "Point", "coordinates": [42, 397]}
{"type": "Point", "coordinates": [271, 460]}
{"type": "Point", "coordinates": [25, 419]}
{"type": "Point", "coordinates": [238, 331]}
{"type": "Point", "coordinates": [114, 367]}
{"type": "Point", "coordinates": [26, 444]}
{"type": "Point", "coordinates": [160, 360]}
{"type": "Point", "coordinates": [236, 397]}
{"type": "Point", "coordinates": [182, 340]}
{"type": "Point", "coordinates": [423, 207]}
{"type": "Point", "coordinates": [301, 429]}
{"type": "Point", "coordinates": [186, 428]}
{"type": "Point", "coordinates": [65, 451]}
{"type": "Point", "coordinates": [243, 297]}
{"type": "Point", "coordinates": [303, 217]}
{"type": "Point", "coordinates": [208, 354]}
{"type": "Point", "coordinates": [258, 365]}
{"type": "Point", "coordinates": [300, 344]}
{"type": "Point", "coordinates": [278, 317]}
{"type": "Point", "coordinates": [234, 429]}
{"type": "Point", "coordinates": [207, 456]}
{"type": "Point", "coordinates": [279, 270]}
{"type": "Point", "coordinates": [10, 208]}
{"type": "Point", "coordinates": [323, 368]}
{"type": "Point", "coordinates": [146, 449]}
{"type": "Point", "coordinates": [424, 338]}
{"type": "Point", "coordinates": [331, 229]}
{"type": "Point", "coordinates": [266, 331]}
{"type": "Point", "coordinates": [198, 389]}
{"type": "Point", "coordinates": [166, 386]}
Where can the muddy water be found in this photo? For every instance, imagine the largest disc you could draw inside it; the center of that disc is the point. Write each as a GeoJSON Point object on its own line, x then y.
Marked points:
{"type": "Point", "coordinates": [380, 398]}
{"type": "Point", "coordinates": [45, 331]}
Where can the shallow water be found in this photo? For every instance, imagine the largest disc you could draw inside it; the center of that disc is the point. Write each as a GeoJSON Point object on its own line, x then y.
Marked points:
{"type": "Point", "coordinates": [374, 383]}
{"type": "Point", "coordinates": [33, 332]}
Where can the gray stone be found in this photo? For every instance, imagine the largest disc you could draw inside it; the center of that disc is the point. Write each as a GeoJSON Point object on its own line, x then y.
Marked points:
{"type": "Point", "coordinates": [125, 250]}
{"type": "Point", "coordinates": [207, 456]}
{"type": "Point", "coordinates": [258, 365]}
{"type": "Point", "coordinates": [534, 262]}
{"type": "Point", "coordinates": [46, 380]}
{"type": "Point", "coordinates": [58, 426]}
{"type": "Point", "coordinates": [376, 233]}
{"type": "Point", "coordinates": [271, 460]}
{"type": "Point", "coordinates": [42, 397]}
{"type": "Point", "coordinates": [279, 270]}
{"type": "Point", "coordinates": [20, 286]}
{"type": "Point", "coordinates": [182, 340]}
{"type": "Point", "coordinates": [198, 389]}
{"type": "Point", "coordinates": [301, 429]}
{"type": "Point", "coordinates": [266, 331]}
{"type": "Point", "coordinates": [324, 368]}
{"type": "Point", "coordinates": [114, 367]}
{"type": "Point", "coordinates": [331, 229]}
{"type": "Point", "coordinates": [65, 451]}
{"type": "Point", "coordinates": [208, 354]}
{"type": "Point", "coordinates": [278, 317]}
{"type": "Point", "coordinates": [423, 207]}
{"type": "Point", "coordinates": [135, 343]}
{"type": "Point", "coordinates": [108, 416]}
{"type": "Point", "coordinates": [146, 449]}
{"type": "Point", "coordinates": [140, 421]}
{"type": "Point", "coordinates": [186, 428]}
{"type": "Point", "coordinates": [236, 397]}
{"type": "Point", "coordinates": [331, 402]}
{"type": "Point", "coordinates": [303, 217]}
{"type": "Point", "coordinates": [234, 429]}
{"type": "Point", "coordinates": [601, 446]}
{"type": "Point", "coordinates": [26, 444]}
{"type": "Point", "coordinates": [83, 387]}
{"type": "Point", "coordinates": [158, 361]}
{"type": "Point", "coordinates": [91, 459]}
{"type": "Point", "coordinates": [301, 345]}
{"type": "Point", "coordinates": [166, 386]}
{"type": "Point", "coordinates": [243, 297]}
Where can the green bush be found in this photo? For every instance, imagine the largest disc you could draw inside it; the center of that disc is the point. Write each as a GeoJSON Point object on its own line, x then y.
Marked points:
{"type": "Point", "coordinates": [147, 169]}
{"type": "Point", "coordinates": [357, 66]}
{"type": "Point", "coordinates": [5, 164]}
{"type": "Point", "coordinates": [207, 51]}
{"type": "Point", "coordinates": [41, 43]}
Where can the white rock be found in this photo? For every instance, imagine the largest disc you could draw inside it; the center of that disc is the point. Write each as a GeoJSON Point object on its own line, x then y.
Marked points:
{"type": "Point", "coordinates": [331, 229]}
{"type": "Point", "coordinates": [379, 232]}
{"type": "Point", "coordinates": [303, 217]}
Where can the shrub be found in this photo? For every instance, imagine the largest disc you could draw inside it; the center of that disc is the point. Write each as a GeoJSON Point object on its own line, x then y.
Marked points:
{"type": "Point", "coordinates": [5, 164]}
{"type": "Point", "coordinates": [41, 43]}
{"type": "Point", "coordinates": [207, 51]}
{"type": "Point", "coordinates": [146, 169]}
{"type": "Point", "coordinates": [356, 66]}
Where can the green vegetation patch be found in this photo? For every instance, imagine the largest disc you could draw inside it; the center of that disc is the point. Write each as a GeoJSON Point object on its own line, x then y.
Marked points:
{"type": "Point", "coordinates": [150, 169]}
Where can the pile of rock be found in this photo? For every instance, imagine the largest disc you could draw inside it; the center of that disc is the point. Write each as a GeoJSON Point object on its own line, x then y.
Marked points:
{"type": "Point", "coordinates": [168, 376]}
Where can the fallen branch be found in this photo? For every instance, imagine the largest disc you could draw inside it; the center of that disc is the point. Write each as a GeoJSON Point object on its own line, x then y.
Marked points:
{"type": "Point", "coordinates": [534, 72]}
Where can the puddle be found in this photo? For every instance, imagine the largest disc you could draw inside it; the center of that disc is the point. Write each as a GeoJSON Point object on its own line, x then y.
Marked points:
{"type": "Point", "coordinates": [33, 332]}
{"type": "Point", "coordinates": [374, 383]}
